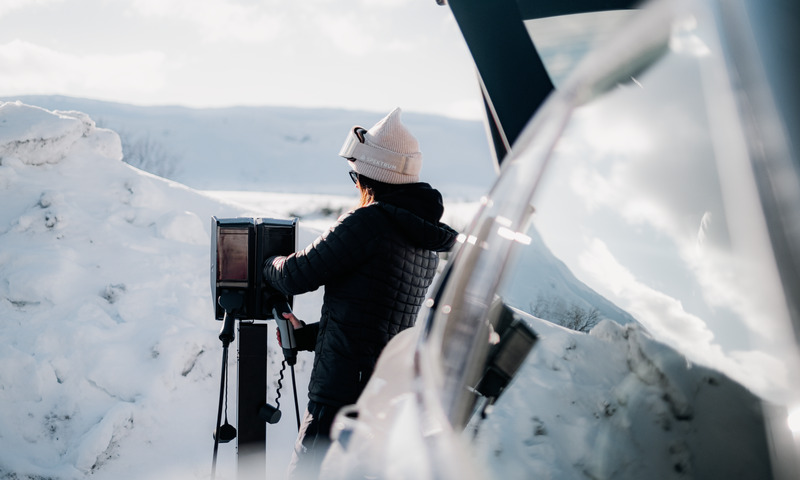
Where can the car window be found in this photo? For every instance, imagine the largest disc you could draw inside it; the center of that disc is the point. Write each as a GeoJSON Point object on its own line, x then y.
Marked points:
{"type": "Point", "coordinates": [562, 42]}
{"type": "Point", "coordinates": [630, 197]}
{"type": "Point", "coordinates": [648, 212]}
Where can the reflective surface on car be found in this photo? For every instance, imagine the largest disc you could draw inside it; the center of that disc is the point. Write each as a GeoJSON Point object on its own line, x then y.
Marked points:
{"type": "Point", "coordinates": [564, 41]}
{"type": "Point", "coordinates": [636, 184]}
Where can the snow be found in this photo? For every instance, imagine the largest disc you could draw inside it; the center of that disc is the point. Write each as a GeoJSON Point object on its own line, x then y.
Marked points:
{"type": "Point", "coordinates": [615, 404]}
{"type": "Point", "coordinates": [110, 347]}
{"type": "Point", "coordinates": [110, 360]}
{"type": "Point", "coordinates": [280, 149]}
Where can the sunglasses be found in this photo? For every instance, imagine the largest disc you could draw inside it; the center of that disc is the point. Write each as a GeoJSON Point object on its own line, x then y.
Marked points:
{"type": "Point", "coordinates": [353, 176]}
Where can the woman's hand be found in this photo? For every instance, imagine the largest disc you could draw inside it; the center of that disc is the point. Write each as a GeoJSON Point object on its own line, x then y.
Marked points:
{"type": "Point", "coordinates": [296, 322]}
{"type": "Point", "coordinates": [296, 325]}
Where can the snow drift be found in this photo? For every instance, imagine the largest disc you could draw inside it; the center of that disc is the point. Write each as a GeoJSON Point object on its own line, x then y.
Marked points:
{"type": "Point", "coordinates": [109, 340]}
{"type": "Point", "coordinates": [615, 404]}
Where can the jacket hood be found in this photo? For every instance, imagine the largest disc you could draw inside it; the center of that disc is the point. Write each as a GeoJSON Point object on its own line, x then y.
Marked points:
{"type": "Point", "coordinates": [416, 210]}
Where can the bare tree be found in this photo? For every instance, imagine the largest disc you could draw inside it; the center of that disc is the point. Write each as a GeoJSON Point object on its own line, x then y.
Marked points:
{"type": "Point", "coordinates": [150, 155]}
{"type": "Point", "coordinates": [574, 317]}
{"type": "Point", "coordinates": [580, 319]}
{"type": "Point", "coordinates": [144, 152]}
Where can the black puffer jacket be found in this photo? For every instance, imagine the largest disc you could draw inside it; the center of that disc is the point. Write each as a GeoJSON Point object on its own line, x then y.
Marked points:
{"type": "Point", "coordinates": [376, 264]}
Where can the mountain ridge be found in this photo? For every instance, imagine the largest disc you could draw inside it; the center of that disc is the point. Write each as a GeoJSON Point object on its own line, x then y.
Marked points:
{"type": "Point", "coordinates": [281, 149]}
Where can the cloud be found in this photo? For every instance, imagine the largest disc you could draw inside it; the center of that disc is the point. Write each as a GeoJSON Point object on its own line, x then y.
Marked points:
{"type": "Point", "coordinates": [220, 19]}
{"type": "Point", "coordinates": [387, 4]}
{"type": "Point", "coordinates": [663, 243]}
{"type": "Point", "coordinates": [356, 31]}
{"type": "Point", "coordinates": [657, 311]}
{"type": "Point", "coordinates": [29, 69]}
{"type": "Point", "coordinates": [684, 39]}
{"type": "Point", "coordinates": [345, 32]}
{"type": "Point", "coordinates": [652, 170]}
{"type": "Point", "coordinates": [312, 53]}
{"type": "Point", "coordinates": [667, 319]}
{"type": "Point", "coordinates": [372, 28]}
{"type": "Point", "coordinates": [7, 6]}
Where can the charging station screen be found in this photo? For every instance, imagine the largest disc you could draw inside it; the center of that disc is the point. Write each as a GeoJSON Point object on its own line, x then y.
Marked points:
{"type": "Point", "coordinates": [232, 255]}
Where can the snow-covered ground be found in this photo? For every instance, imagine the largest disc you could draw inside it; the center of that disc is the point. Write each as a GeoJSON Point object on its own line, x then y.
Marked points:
{"type": "Point", "coordinates": [110, 356]}
{"type": "Point", "coordinates": [110, 360]}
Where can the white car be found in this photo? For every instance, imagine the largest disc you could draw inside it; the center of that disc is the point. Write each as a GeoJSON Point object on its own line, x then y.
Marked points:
{"type": "Point", "coordinates": [654, 200]}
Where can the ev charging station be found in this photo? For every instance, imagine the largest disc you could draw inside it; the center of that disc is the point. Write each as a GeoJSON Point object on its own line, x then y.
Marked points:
{"type": "Point", "coordinates": [239, 248]}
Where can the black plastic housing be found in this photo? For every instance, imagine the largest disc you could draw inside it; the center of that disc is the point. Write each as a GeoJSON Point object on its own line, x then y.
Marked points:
{"type": "Point", "coordinates": [239, 247]}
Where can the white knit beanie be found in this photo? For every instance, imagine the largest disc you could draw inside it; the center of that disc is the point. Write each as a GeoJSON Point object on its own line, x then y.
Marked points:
{"type": "Point", "coordinates": [389, 154]}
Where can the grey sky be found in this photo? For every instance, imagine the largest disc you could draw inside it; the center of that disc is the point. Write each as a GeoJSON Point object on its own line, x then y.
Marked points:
{"type": "Point", "coordinates": [361, 54]}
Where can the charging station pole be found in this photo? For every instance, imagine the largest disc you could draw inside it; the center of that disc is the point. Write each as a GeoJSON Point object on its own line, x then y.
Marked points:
{"type": "Point", "coordinates": [252, 394]}
{"type": "Point", "coordinates": [239, 248]}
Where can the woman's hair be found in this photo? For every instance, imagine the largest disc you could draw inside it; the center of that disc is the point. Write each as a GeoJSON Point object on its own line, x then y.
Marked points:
{"type": "Point", "coordinates": [373, 190]}
{"type": "Point", "coordinates": [367, 194]}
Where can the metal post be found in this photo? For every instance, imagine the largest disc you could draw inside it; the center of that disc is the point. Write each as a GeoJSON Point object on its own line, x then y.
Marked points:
{"type": "Point", "coordinates": [252, 393]}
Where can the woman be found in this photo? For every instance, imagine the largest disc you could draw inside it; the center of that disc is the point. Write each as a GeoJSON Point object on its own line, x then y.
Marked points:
{"type": "Point", "coordinates": [376, 264]}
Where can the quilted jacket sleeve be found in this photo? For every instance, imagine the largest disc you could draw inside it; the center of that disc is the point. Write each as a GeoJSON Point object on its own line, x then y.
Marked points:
{"type": "Point", "coordinates": [337, 252]}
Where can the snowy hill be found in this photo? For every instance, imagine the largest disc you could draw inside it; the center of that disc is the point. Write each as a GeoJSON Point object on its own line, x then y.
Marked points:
{"type": "Point", "coordinates": [110, 351]}
{"type": "Point", "coordinates": [111, 360]}
{"type": "Point", "coordinates": [282, 149]}
{"type": "Point", "coordinates": [557, 291]}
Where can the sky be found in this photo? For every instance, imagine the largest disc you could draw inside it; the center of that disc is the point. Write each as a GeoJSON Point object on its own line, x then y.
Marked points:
{"type": "Point", "coordinates": [359, 54]}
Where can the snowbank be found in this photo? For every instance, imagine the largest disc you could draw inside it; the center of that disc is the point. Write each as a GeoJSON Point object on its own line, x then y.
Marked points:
{"type": "Point", "coordinates": [615, 404]}
{"type": "Point", "coordinates": [110, 355]}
